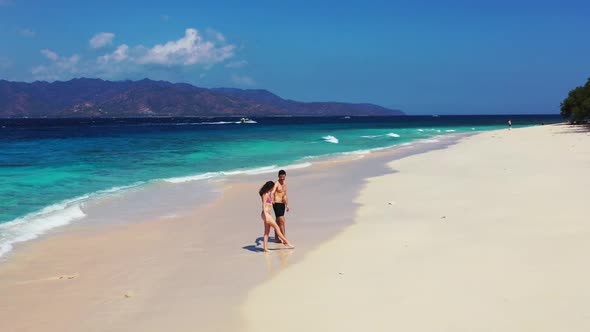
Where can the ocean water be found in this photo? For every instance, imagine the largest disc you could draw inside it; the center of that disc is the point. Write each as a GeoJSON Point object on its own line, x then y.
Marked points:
{"type": "Point", "coordinates": [50, 167]}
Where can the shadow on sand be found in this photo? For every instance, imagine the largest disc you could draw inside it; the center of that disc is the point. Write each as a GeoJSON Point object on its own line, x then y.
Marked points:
{"type": "Point", "coordinates": [257, 246]}
{"type": "Point", "coordinates": [568, 129]}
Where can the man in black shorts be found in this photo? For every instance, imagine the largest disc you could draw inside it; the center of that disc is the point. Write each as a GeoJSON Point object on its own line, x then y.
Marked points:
{"type": "Point", "coordinates": [281, 202]}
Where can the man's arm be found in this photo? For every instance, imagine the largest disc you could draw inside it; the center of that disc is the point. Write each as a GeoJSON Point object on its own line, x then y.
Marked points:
{"type": "Point", "coordinates": [274, 189]}
{"type": "Point", "coordinates": [286, 198]}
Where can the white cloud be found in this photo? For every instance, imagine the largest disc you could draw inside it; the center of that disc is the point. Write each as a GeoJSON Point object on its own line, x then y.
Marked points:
{"type": "Point", "coordinates": [220, 37]}
{"type": "Point", "coordinates": [50, 54]}
{"type": "Point", "coordinates": [236, 64]}
{"type": "Point", "coordinates": [120, 54]}
{"type": "Point", "coordinates": [27, 33]}
{"type": "Point", "coordinates": [189, 50]}
{"type": "Point", "coordinates": [192, 51]}
{"type": "Point", "coordinates": [62, 67]}
{"type": "Point", "coordinates": [101, 39]}
{"type": "Point", "coordinates": [214, 34]}
{"type": "Point", "coordinates": [242, 80]}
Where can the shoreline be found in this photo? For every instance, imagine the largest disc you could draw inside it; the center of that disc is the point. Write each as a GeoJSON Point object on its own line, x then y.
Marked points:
{"type": "Point", "coordinates": [38, 200]}
{"type": "Point", "coordinates": [175, 266]}
{"type": "Point", "coordinates": [487, 235]}
{"type": "Point", "coordinates": [82, 209]}
{"type": "Point", "coordinates": [458, 235]}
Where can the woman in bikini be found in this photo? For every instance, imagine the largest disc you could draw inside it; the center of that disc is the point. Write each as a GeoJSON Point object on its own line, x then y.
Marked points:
{"type": "Point", "coordinates": [266, 197]}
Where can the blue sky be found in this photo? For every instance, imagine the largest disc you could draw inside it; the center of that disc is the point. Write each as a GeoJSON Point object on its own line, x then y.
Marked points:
{"type": "Point", "coordinates": [425, 57]}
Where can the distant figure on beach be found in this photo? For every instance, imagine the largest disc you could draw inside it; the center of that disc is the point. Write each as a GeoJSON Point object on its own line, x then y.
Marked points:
{"type": "Point", "coordinates": [281, 202]}
{"type": "Point", "coordinates": [509, 124]}
{"type": "Point", "coordinates": [267, 200]}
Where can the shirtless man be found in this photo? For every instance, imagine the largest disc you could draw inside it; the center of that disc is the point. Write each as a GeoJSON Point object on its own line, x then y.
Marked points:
{"type": "Point", "coordinates": [281, 202]}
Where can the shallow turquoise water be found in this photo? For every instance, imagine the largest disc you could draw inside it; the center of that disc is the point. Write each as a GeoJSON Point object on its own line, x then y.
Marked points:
{"type": "Point", "coordinates": [45, 166]}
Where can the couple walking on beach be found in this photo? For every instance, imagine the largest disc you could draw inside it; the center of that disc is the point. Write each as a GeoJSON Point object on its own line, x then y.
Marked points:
{"type": "Point", "coordinates": [274, 195]}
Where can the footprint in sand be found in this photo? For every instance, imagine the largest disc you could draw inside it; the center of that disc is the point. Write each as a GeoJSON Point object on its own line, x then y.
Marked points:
{"type": "Point", "coordinates": [61, 277]}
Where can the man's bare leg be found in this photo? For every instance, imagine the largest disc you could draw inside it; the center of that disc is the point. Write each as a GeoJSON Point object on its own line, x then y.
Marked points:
{"type": "Point", "coordinates": [281, 223]}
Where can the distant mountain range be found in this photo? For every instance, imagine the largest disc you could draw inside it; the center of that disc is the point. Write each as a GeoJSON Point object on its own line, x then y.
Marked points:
{"type": "Point", "coordinates": [85, 97]}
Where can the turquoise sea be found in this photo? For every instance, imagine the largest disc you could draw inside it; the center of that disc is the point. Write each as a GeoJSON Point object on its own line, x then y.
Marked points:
{"type": "Point", "coordinates": [48, 167]}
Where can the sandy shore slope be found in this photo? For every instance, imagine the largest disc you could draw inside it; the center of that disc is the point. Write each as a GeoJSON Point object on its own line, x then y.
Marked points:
{"type": "Point", "coordinates": [490, 234]}
{"type": "Point", "coordinates": [185, 271]}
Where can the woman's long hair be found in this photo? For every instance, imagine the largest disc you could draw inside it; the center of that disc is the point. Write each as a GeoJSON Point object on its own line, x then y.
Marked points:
{"type": "Point", "coordinates": [266, 188]}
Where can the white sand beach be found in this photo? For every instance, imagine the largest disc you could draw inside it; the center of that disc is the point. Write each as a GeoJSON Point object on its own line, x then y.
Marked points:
{"type": "Point", "coordinates": [489, 234]}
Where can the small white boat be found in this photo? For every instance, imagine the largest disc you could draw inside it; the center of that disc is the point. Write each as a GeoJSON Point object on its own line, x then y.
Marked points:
{"type": "Point", "coordinates": [246, 120]}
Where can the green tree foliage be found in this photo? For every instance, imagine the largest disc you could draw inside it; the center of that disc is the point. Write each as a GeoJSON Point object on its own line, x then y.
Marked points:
{"type": "Point", "coordinates": [577, 104]}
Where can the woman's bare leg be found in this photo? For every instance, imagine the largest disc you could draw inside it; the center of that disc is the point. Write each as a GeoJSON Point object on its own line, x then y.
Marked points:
{"type": "Point", "coordinates": [266, 232]}
{"type": "Point", "coordinates": [280, 234]}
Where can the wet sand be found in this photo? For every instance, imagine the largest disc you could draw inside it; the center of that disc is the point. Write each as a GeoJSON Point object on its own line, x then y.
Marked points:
{"type": "Point", "coordinates": [185, 271]}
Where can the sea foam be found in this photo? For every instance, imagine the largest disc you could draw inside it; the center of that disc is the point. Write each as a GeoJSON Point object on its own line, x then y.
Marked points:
{"type": "Point", "coordinates": [331, 139]}
{"type": "Point", "coordinates": [35, 224]}
{"type": "Point", "coordinates": [247, 171]}
{"type": "Point", "coordinates": [39, 222]}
